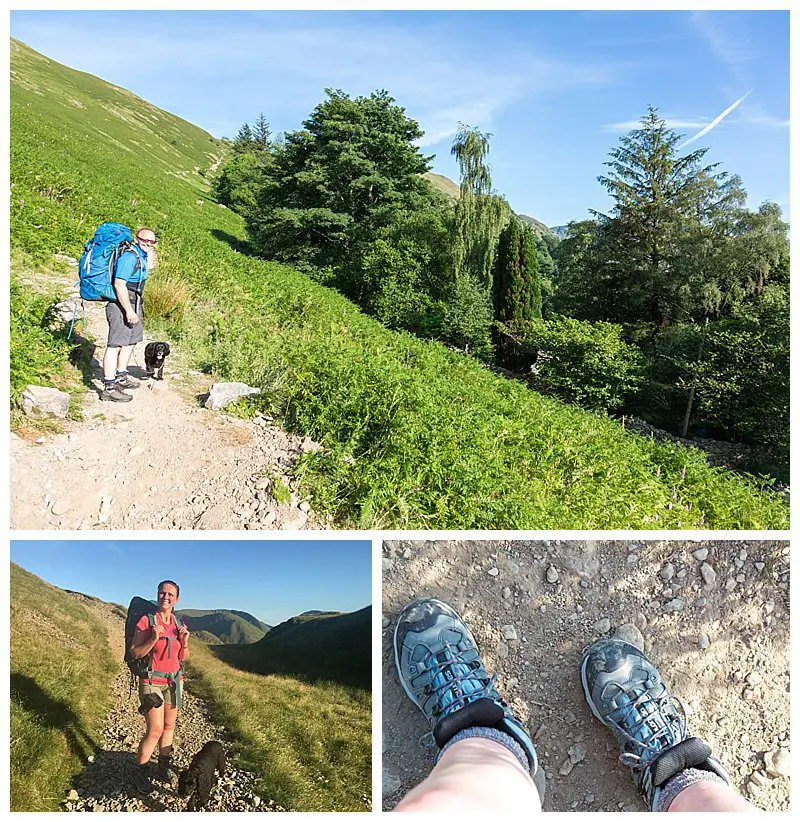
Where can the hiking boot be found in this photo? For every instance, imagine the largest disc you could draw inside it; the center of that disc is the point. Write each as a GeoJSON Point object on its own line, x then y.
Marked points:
{"type": "Point", "coordinates": [127, 381]}
{"type": "Point", "coordinates": [441, 670]}
{"type": "Point", "coordinates": [140, 780]}
{"type": "Point", "coordinates": [626, 693]}
{"type": "Point", "coordinates": [166, 773]}
{"type": "Point", "coordinates": [114, 393]}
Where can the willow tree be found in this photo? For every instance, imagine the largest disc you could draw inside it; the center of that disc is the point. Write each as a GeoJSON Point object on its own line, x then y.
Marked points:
{"type": "Point", "coordinates": [479, 218]}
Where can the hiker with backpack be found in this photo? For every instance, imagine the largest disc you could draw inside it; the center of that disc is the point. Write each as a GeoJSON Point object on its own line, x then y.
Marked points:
{"type": "Point", "coordinates": [113, 269]}
{"type": "Point", "coordinates": [157, 644]}
{"type": "Point", "coordinates": [125, 316]}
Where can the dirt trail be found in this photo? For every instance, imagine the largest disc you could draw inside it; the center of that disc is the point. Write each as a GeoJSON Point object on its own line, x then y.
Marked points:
{"type": "Point", "coordinates": [159, 461]}
{"type": "Point", "coordinates": [105, 783]}
{"type": "Point", "coordinates": [720, 637]}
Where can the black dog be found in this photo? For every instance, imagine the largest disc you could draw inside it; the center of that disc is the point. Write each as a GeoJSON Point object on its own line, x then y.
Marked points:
{"type": "Point", "coordinates": [198, 779]}
{"type": "Point", "coordinates": [154, 355]}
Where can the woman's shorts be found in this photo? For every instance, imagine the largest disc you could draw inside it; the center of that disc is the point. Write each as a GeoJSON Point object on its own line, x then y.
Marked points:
{"type": "Point", "coordinates": [119, 332]}
{"type": "Point", "coordinates": [168, 691]}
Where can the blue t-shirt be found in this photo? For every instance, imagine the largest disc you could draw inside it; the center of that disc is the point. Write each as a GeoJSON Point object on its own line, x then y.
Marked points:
{"type": "Point", "coordinates": [128, 270]}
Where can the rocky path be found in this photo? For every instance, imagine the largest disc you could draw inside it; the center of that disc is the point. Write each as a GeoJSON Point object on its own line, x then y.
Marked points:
{"type": "Point", "coordinates": [105, 783]}
{"type": "Point", "coordinates": [161, 461]}
{"type": "Point", "coordinates": [713, 615]}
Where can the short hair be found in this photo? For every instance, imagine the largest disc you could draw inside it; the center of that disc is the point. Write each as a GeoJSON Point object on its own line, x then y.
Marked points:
{"type": "Point", "coordinates": [169, 582]}
{"type": "Point", "coordinates": [145, 228]}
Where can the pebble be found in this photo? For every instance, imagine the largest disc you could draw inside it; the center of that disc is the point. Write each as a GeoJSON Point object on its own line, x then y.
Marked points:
{"type": "Point", "coordinates": [708, 573]}
{"type": "Point", "coordinates": [754, 678]}
{"type": "Point", "coordinates": [509, 632]}
{"type": "Point", "coordinates": [700, 554]}
{"type": "Point", "coordinates": [506, 593]}
{"type": "Point", "coordinates": [566, 767]}
{"type": "Point", "coordinates": [385, 621]}
{"type": "Point", "coordinates": [777, 763]}
{"type": "Point", "coordinates": [576, 753]}
{"type": "Point", "coordinates": [631, 634]}
{"type": "Point", "coordinates": [552, 575]}
{"type": "Point", "coordinates": [667, 572]}
{"type": "Point", "coordinates": [387, 564]}
{"type": "Point", "coordinates": [759, 779]}
{"type": "Point", "coordinates": [701, 602]}
{"type": "Point", "coordinates": [493, 572]}
{"type": "Point", "coordinates": [703, 641]}
{"type": "Point", "coordinates": [730, 585]}
{"type": "Point", "coordinates": [502, 650]}
{"type": "Point", "coordinates": [304, 506]}
{"type": "Point", "coordinates": [759, 566]}
{"type": "Point", "coordinates": [603, 625]}
{"type": "Point", "coordinates": [391, 783]}
{"type": "Point", "coordinates": [676, 604]}
{"type": "Point", "coordinates": [407, 553]}
{"type": "Point", "coordinates": [632, 558]}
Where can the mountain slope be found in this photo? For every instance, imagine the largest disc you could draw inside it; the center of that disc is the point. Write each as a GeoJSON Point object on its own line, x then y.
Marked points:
{"type": "Point", "coordinates": [414, 435]}
{"type": "Point", "coordinates": [327, 646]}
{"type": "Point", "coordinates": [230, 627]}
{"type": "Point", "coordinates": [61, 672]}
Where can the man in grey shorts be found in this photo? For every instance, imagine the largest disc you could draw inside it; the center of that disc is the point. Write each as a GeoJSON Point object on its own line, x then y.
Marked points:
{"type": "Point", "coordinates": [125, 316]}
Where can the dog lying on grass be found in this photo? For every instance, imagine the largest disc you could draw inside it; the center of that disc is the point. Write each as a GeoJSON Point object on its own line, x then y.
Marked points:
{"type": "Point", "coordinates": [154, 355]}
{"type": "Point", "coordinates": [197, 781]}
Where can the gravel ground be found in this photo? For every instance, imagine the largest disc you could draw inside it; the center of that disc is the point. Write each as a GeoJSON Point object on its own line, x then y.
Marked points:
{"type": "Point", "coordinates": [105, 784]}
{"type": "Point", "coordinates": [713, 615]}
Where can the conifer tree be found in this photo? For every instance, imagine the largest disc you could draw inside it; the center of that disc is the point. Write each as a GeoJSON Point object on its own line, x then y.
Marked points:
{"type": "Point", "coordinates": [261, 133]}
{"type": "Point", "coordinates": [517, 286]}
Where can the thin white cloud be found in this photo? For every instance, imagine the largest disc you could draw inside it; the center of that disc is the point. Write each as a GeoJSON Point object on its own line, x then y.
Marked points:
{"type": "Point", "coordinates": [715, 122]}
{"type": "Point", "coordinates": [732, 48]}
{"type": "Point", "coordinates": [670, 122]}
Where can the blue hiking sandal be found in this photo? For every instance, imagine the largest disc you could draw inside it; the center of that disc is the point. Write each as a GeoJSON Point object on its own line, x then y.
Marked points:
{"type": "Point", "coordinates": [441, 670]}
{"type": "Point", "coordinates": [626, 693]}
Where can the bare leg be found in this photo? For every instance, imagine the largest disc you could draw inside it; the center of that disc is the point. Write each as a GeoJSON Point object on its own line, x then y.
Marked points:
{"type": "Point", "coordinates": [155, 728]}
{"type": "Point", "coordinates": [475, 776]}
{"type": "Point", "coordinates": [110, 360]}
{"type": "Point", "coordinates": [170, 715]}
{"type": "Point", "coordinates": [124, 357]}
{"type": "Point", "coordinates": [710, 796]}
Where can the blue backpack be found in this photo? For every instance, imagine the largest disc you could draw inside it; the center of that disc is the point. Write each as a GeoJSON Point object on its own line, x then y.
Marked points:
{"type": "Point", "coordinates": [99, 259]}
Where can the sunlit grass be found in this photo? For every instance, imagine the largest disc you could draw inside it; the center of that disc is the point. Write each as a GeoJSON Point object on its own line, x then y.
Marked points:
{"type": "Point", "coordinates": [310, 745]}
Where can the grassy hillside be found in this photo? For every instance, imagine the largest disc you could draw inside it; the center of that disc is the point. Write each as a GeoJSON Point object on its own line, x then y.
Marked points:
{"type": "Point", "coordinates": [61, 671]}
{"type": "Point", "coordinates": [334, 647]}
{"type": "Point", "coordinates": [414, 435]}
{"type": "Point", "coordinates": [228, 626]}
{"type": "Point", "coordinates": [309, 744]}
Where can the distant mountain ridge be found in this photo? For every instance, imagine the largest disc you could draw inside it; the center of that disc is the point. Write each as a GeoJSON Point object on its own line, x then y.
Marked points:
{"type": "Point", "coordinates": [315, 646]}
{"type": "Point", "coordinates": [453, 190]}
{"type": "Point", "coordinates": [229, 627]}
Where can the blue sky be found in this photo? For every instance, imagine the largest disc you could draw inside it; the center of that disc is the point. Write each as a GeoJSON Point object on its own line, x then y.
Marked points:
{"type": "Point", "coordinates": [273, 580]}
{"type": "Point", "coordinates": [555, 88]}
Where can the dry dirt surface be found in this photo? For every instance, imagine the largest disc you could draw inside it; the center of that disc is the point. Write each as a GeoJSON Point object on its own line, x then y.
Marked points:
{"type": "Point", "coordinates": [105, 784]}
{"type": "Point", "coordinates": [161, 461]}
{"type": "Point", "coordinates": [713, 616]}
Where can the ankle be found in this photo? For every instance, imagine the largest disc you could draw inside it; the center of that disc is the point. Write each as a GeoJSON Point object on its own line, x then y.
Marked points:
{"type": "Point", "coordinates": [493, 735]}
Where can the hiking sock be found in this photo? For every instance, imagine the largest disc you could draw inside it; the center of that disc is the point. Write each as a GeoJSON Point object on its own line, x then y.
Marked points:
{"type": "Point", "coordinates": [121, 373]}
{"type": "Point", "coordinates": [681, 781]}
{"type": "Point", "coordinates": [107, 383]}
{"type": "Point", "coordinates": [479, 732]}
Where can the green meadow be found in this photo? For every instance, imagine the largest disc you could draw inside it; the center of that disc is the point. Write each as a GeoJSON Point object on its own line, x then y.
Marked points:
{"type": "Point", "coordinates": [414, 435]}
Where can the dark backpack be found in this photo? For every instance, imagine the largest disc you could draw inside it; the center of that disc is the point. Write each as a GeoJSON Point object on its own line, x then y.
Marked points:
{"type": "Point", "coordinates": [142, 667]}
{"type": "Point", "coordinates": [99, 260]}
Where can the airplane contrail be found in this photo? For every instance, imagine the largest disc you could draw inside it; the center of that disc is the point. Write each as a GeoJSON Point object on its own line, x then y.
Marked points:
{"type": "Point", "coordinates": [715, 122]}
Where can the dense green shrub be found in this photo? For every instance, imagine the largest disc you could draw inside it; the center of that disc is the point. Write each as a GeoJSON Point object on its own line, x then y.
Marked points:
{"type": "Point", "coordinates": [589, 364]}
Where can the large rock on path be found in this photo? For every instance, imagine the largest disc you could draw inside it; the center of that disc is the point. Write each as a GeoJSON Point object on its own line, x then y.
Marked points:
{"type": "Point", "coordinates": [223, 393]}
{"type": "Point", "coordinates": [38, 401]}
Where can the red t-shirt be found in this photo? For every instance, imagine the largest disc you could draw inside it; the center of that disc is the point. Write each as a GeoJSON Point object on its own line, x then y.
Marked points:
{"type": "Point", "coordinates": [165, 651]}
